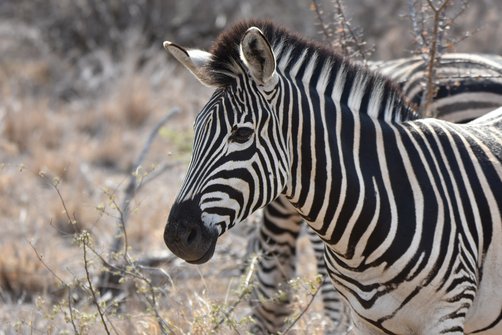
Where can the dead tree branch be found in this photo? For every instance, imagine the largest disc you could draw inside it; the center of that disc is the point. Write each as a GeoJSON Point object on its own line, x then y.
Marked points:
{"type": "Point", "coordinates": [304, 310]}
{"type": "Point", "coordinates": [132, 186]}
{"type": "Point", "coordinates": [114, 273]}
{"type": "Point", "coordinates": [338, 31]}
{"type": "Point", "coordinates": [62, 282]}
{"type": "Point", "coordinates": [435, 50]}
{"type": "Point", "coordinates": [431, 21]}
{"type": "Point", "coordinates": [84, 237]}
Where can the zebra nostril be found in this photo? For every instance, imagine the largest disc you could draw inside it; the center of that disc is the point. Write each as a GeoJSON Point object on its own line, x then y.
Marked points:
{"type": "Point", "coordinates": [192, 235]}
{"type": "Point", "coordinates": [187, 236]}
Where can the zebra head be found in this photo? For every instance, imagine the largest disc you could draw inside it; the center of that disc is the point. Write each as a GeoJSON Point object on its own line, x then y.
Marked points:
{"type": "Point", "coordinates": [238, 161]}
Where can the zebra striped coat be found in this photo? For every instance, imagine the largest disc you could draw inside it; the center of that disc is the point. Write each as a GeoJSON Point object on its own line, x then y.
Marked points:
{"type": "Point", "coordinates": [467, 86]}
{"type": "Point", "coordinates": [409, 209]}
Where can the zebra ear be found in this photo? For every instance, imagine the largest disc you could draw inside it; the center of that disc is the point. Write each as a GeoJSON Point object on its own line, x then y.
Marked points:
{"type": "Point", "coordinates": [193, 59]}
{"type": "Point", "coordinates": [257, 55]}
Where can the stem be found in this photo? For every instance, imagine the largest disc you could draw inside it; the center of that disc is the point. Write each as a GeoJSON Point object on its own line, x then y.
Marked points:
{"type": "Point", "coordinates": [434, 56]}
{"type": "Point", "coordinates": [70, 307]}
{"type": "Point", "coordinates": [132, 185]}
{"type": "Point", "coordinates": [324, 27]}
{"type": "Point", "coordinates": [359, 45]}
{"type": "Point", "coordinates": [245, 291]}
{"type": "Point", "coordinates": [40, 258]}
{"type": "Point", "coordinates": [305, 309]}
{"type": "Point", "coordinates": [91, 288]}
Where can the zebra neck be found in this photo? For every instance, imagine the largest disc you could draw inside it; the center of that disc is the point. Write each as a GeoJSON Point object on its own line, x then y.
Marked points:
{"type": "Point", "coordinates": [335, 129]}
{"type": "Point", "coordinates": [329, 77]}
{"type": "Point", "coordinates": [336, 186]}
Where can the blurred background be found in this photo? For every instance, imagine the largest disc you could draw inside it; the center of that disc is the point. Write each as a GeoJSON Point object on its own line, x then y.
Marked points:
{"type": "Point", "coordinates": [82, 84]}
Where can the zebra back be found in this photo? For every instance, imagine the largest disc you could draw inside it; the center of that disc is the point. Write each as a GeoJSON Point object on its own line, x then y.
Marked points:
{"type": "Point", "coordinates": [466, 85]}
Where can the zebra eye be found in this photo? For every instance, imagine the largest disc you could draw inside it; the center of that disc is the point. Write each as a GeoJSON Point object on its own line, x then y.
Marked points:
{"type": "Point", "coordinates": [241, 134]}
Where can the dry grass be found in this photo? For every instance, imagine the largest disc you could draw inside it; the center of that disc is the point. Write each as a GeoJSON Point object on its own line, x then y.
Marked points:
{"type": "Point", "coordinates": [84, 152]}
{"type": "Point", "coordinates": [32, 126]}
{"type": "Point", "coordinates": [22, 276]}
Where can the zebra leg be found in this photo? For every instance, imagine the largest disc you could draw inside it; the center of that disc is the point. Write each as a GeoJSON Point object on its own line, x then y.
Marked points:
{"type": "Point", "coordinates": [275, 244]}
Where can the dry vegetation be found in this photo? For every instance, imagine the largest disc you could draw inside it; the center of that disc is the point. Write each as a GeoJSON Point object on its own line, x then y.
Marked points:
{"type": "Point", "coordinates": [82, 83]}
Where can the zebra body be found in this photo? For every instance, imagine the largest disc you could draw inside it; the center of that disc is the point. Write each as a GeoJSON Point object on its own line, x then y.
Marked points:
{"type": "Point", "coordinates": [409, 209]}
{"type": "Point", "coordinates": [452, 256]}
{"type": "Point", "coordinates": [467, 86]}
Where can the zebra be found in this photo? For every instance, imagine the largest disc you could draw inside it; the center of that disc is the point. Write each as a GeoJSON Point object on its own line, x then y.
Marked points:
{"type": "Point", "coordinates": [270, 83]}
{"type": "Point", "coordinates": [467, 86]}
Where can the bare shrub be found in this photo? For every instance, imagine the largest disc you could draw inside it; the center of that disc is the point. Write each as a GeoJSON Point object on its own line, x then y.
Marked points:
{"type": "Point", "coordinates": [431, 22]}
{"type": "Point", "coordinates": [337, 29]}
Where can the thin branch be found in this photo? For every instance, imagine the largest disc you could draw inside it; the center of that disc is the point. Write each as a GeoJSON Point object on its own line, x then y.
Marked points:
{"type": "Point", "coordinates": [111, 323]}
{"type": "Point", "coordinates": [340, 33]}
{"type": "Point", "coordinates": [40, 258]}
{"type": "Point", "coordinates": [434, 55]}
{"type": "Point", "coordinates": [132, 185]}
{"type": "Point", "coordinates": [155, 174]}
{"type": "Point", "coordinates": [345, 24]}
{"type": "Point", "coordinates": [318, 289]}
{"type": "Point", "coordinates": [245, 291]}
{"type": "Point", "coordinates": [325, 29]}
{"type": "Point", "coordinates": [91, 288]}
{"type": "Point", "coordinates": [431, 21]}
{"type": "Point", "coordinates": [121, 237]}
{"type": "Point", "coordinates": [72, 317]}
{"type": "Point", "coordinates": [70, 307]}
{"type": "Point", "coordinates": [418, 31]}
{"type": "Point", "coordinates": [54, 183]}
{"type": "Point", "coordinates": [164, 327]}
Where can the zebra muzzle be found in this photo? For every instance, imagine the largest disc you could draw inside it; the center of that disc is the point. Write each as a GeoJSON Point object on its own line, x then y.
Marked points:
{"type": "Point", "coordinates": [187, 236]}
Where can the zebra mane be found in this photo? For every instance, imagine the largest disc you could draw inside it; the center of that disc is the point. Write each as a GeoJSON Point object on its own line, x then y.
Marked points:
{"type": "Point", "coordinates": [226, 65]}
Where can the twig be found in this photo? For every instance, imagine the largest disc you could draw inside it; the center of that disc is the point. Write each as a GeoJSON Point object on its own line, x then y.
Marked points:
{"type": "Point", "coordinates": [155, 174]}
{"type": "Point", "coordinates": [40, 258]}
{"type": "Point", "coordinates": [54, 183]}
{"type": "Point", "coordinates": [340, 33]}
{"type": "Point", "coordinates": [85, 238]}
{"type": "Point", "coordinates": [132, 185]}
{"type": "Point", "coordinates": [432, 42]}
{"type": "Point", "coordinates": [345, 25]}
{"type": "Point", "coordinates": [121, 236]}
{"type": "Point", "coordinates": [305, 309]}
{"type": "Point", "coordinates": [417, 30]}
{"type": "Point", "coordinates": [70, 307]}
{"type": "Point", "coordinates": [325, 28]}
{"type": "Point", "coordinates": [245, 291]}
{"type": "Point", "coordinates": [164, 327]}
{"type": "Point", "coordinates": [434, 54]}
